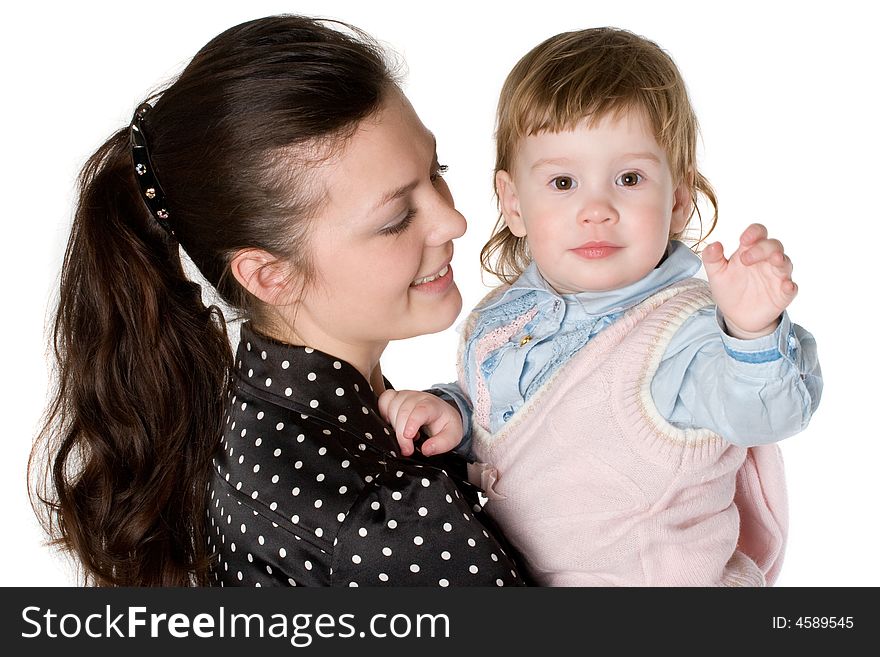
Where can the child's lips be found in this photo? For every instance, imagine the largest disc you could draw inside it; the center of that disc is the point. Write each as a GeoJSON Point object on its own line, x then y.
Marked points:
{"type": "Point", "coordinates": [596, 250]}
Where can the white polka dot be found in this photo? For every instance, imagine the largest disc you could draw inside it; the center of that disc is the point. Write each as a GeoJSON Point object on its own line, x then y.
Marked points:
{"type": "Point", "coordinates": [258, 442]}
{"type": "Point", "coordinates": [383, 577]}
{"type": "Point", "coordinates": [342, 418]}
{"type": "Point", "coordinates": [342, 490]}
{"type": "Point", "coordinates": [318, 504]}
{"type": "Point", "coordinates": [499, 582]}
{"type": "Point", "coordinates": [369, 436]}
{"type": "Point", "coordinates": [268, 569]}
{"type": "Point", "coordinates": [309, 350]}
{"type": "Point", "coordinates": [345, 463]}
{"type": "Point", "coordinates": [298, 465]}
{"type": "Point", "coordinates": [340, 517]}
{"type": "Point", "coordinates": [285, 364]}
{"type": "Point", "coordinates": [277, 452]}
{"type": "Point", "coordinates": [300, 438]}
{"type": "Point", "coordinates": [392, 524]}
{"type": "Point", "coordinates": [312, 376]}
{"type": "Point", "coordinates": [474, 569]}
{"type": "Point", "coordinates": [260, 415]}
{"type": "Point", "coordinates": [352, 585]}
{"type": "Point", "coordinates": [418, 540]}
{"type": "Point", "coordinates": [314, 403]}
{"type": "Point", "coordinates": [274, 505]}
{"type": "Point", "coordinates": [239, 575]}
{"type": "Point", "coordinates": [339, 392]}
{"type": "Point", "coordinates": [445, 555]}
{"type": "Point", "coordinates": [414, 568]}
{"type": "Point", "coordinates": [279, 426]}
{"type": "Point", "coordinates": [356, 388]}
{"type": "Point", "coordinates": [282, 553]}
{"type": "Point", "coordinates": [319, 532]}
{"type": "Point", "coordinates": [322, 451]}
{"type": "Point", "coordinates": [256, 468]}
{"type": "Point", "coordinates": [326, 432]}
{"type": "Point", "coordinates": [375, 506]}
{"type": "Point", "coordinates": [425, 482]}
{"type": "Point", "coordinates": [241, 459]}
{"type": "Point", "coordinates": [365, 410]}
{"type": "Point", "coordinates": [308, 565]}
{"type": "Point", "coordinates": [274, 479]}
{"type": "Point", "coordinates": [288, 391]}
{"type": "Point", "coordinates": [243, 528]}
{"type": "Point", "coordinates": [337, 365]}
{"type": "Point", "coordinates": [447, 527]}
{"type": "Point", "coordinates": [243, 405]}
{"type": "Point", "coordinates": [254, 495]}
{"type": "Point", "coordinates": [448, 499]}
{"type": "Point", "coordinates": [396, 495]}
{"type": "Point", "coordinates": [238, 486]}
{"type": "Point", "coordinates": [472, 542]}
{"type": "Point", "coordinates": [443, 582]}
{"type": "Point", "coordinates": [232, 546]}
{"type": "Point", "coordinates": [295, 491]}
{"type": "Point", "coordinates": [294, 519]}
{"type": "Point", "coordinates": [250, 373]}
{"type": "Point", "coordinates": [268, 382]}
{"type": "Point", "coordinates": [423, 511]}
{"type": "Point", "coordinates": [386, 551]}
{"type": "Point", "coordinates": [355, 558]}
{"type": "Point", "coordinates": [399, 473]}
{"type": "Point", "coordinates": [320, 477]}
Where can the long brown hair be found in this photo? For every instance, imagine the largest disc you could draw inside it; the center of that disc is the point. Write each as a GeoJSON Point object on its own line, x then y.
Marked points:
{"type": "Point", "coordinates": [119, 472]}
{"type": "Point", "coordinates": [587, 75]}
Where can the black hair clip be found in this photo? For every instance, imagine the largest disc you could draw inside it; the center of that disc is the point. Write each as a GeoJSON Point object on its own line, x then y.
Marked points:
{"type": "Point", "coordinates": [151, 190]}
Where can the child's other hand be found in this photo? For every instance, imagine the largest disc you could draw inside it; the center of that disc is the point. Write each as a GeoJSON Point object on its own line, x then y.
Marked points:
{"type": "Point", "coordinates": [754, 286]}
{"type": "Point", "coordinates": [408, 411]}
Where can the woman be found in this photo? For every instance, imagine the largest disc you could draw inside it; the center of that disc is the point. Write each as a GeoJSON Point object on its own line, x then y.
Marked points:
{"type": "Point", "coordinates": [289, 166]}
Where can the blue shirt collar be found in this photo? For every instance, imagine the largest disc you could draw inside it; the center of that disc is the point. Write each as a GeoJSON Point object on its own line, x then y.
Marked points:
{"type": "Point", "coordinates": [680, 263]}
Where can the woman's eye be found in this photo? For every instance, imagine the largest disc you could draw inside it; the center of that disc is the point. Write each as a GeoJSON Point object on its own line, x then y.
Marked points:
{"type": "Point", "coordinates": [439, 172]}
{"type": "Point", "coordinates": [400, 226]}
{"type": "Point", "coordinates": [629, 179]}
{"type": "Point", "coordinates": [563, 183]}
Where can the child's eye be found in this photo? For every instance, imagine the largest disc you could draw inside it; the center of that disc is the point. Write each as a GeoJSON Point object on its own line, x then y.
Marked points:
{"type": "Point", "coordinates": [400, 226]}
{"type": "Point", "coordinates": [629, 179]}
{"type": "Point", "coordinates": [563, 183]}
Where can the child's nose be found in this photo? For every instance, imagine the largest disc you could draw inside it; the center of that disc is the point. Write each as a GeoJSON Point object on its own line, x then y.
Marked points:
{"type": "Point", "coordinates": [597, 210]}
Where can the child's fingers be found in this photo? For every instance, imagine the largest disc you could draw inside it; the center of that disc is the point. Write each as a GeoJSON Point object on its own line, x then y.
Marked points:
{"type": "Point", "coordinates": [385, 401]}
{"type": "Point", "coordinates": [713, 258]}
{"type": "Point", "coordinates": [752, 234]}
{"type": "Point", "coordinates": [762, 250]}
{"type": "Point", "coordinates": [439, 444]}
{"type": "Point", "coordinates": [417, 416]}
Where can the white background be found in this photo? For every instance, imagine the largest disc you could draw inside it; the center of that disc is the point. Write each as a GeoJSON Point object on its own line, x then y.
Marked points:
{"type": "Point", "coordinates": [785, 95]}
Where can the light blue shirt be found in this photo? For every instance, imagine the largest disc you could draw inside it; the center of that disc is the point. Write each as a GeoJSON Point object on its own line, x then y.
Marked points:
{"type": "Point", "coordinates": [751, 392]}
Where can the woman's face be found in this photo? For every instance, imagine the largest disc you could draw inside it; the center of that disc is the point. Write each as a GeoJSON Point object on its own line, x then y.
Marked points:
{"type": "Point", "coordinates": [381, 243]}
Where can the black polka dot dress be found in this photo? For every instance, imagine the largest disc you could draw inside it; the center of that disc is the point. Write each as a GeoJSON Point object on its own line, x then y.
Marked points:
{"type": "Point", "coordinates": [308, 488]}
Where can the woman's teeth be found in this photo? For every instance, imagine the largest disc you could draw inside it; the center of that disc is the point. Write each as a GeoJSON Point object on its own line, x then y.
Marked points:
{"type": "Point", "coordinates": [428, 279]}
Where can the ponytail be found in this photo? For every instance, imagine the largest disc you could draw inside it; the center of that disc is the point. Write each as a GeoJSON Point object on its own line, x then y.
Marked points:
{"type": "Point", "coordinates": [143, 374]}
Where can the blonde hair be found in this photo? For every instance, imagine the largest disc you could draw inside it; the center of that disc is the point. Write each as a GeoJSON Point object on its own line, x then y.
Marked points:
{"type": "Point", "coordinates": [587, 75]}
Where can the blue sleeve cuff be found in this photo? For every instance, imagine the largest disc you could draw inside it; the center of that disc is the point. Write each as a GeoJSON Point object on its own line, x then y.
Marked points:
{"type": "Point", "coordinates": [782, 343]}
{"type": "Point", "coordinates": [451, 393]}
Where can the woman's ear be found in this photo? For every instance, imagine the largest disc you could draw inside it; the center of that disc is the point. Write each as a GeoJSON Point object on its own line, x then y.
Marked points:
{"type": "Point", "coordinates": [508, 199]}
{"type": "Point", "coordinates": [683, 204]}
{"type": "Point", "coordinates": [263, 275]}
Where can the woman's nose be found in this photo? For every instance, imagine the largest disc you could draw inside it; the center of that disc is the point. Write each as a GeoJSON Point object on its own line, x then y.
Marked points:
{"type": "Point", "coordinates": [448, 223]}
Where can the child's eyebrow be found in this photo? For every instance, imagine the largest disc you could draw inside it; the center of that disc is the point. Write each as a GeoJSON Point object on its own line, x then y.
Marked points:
{"type": "Point", "coordinates": [545, 161]}
{"type": "Point", "coordinates": [640, 156]}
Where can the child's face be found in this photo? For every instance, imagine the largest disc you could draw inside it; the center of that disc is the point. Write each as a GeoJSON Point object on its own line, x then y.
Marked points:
{"type": "Point", "coordinates": [597, 204]}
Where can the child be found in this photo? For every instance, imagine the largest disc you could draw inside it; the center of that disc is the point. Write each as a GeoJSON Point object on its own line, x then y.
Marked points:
{"type": "Point", "coordinates": [624, 414]}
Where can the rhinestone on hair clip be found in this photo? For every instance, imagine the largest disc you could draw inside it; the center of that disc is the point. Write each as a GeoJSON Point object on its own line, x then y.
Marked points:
{"type": "Point", "coordinates": [151, 190]}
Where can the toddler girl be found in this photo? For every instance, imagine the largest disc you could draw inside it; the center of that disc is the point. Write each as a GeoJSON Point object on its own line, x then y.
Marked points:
{"type": "Point", "coordinates": [622, 414]}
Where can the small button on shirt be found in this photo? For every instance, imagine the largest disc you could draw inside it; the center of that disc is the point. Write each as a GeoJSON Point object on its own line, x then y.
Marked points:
{"type": "Point", "coordinates": [308, 488]}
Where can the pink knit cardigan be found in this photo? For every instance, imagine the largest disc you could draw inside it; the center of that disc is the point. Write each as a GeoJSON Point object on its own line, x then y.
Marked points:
{"type": "Point", "coordinates": [595, 487]}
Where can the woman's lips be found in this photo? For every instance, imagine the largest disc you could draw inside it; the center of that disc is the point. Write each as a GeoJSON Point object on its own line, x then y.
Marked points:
{"type": "Point", "coordinates": [596, 250]}
{"type": "Point", "coordinates": [435, 283]}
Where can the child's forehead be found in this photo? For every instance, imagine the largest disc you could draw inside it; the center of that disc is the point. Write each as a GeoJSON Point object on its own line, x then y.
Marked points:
{"type": "Point", "coordinates": [623, 132]}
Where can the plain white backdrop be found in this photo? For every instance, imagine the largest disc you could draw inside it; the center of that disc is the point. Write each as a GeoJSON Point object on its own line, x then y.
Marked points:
{"type": "Point", "coordinates": [785, 93]}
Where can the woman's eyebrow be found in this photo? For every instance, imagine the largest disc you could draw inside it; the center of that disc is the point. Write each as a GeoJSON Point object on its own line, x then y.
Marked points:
{"type": "Point", "coordinates": [405, 189]}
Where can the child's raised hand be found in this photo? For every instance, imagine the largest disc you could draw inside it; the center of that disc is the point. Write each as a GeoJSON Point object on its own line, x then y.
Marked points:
{"type": "Point", "coordinates": [409, 410]}
{"type": "Point", "coordinates": [754, 286]}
